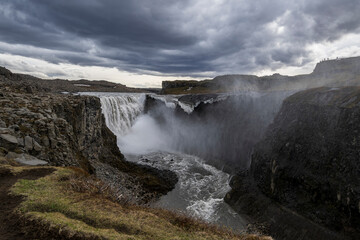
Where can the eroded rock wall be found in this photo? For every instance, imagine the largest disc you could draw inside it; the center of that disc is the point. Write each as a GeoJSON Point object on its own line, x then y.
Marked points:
{"type": "Point", "coordinates": [308, 161]}
{"type": "Point", "coordinates": [65, 130]}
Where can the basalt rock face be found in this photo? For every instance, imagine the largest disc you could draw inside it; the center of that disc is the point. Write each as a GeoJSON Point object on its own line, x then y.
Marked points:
{"type": "Point", "coordinates": [57, 129]}
{"type": "Point", "coordinates": [308, 162]}
{"type": "Point", "coordinates": [65, 130]}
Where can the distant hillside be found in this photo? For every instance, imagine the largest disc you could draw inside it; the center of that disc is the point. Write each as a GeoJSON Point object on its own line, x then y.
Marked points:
{"type": "Point", "coordinates": [331, 73]}
{"type": "Point", "coordinates": [61, 85]}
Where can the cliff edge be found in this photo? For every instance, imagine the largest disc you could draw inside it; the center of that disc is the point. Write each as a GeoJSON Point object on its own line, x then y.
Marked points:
{"type": "Point", "coordinates": [39, 127]}
{"type": "Point", "coordinates": [307, 167]}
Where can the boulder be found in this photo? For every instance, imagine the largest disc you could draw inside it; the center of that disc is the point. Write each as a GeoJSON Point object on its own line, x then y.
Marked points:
{"type": "Point", "coordinates": [29, 143]}
{"type": "Point", "coordinates": [8, 141]}
{"type": "Point", "coordinates": [37, 146]}
{"type": "Point", "coordinates": [25, 159]}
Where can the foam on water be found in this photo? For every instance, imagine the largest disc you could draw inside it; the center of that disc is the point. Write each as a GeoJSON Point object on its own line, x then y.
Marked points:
{"type": "Point", "coordinates": [200, 190]}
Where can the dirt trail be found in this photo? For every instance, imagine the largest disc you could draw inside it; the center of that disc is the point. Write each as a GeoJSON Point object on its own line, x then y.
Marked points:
{"type": "Point", "coordinates": [9, 227]}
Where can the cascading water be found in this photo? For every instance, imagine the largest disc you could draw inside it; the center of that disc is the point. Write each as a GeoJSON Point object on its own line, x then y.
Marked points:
{"type": "Point", "coordinates": [121, 111]}
{"type": "Point", "coordinates": [200, 190]}
{"type": "Point", "coordinates": [162, 137]}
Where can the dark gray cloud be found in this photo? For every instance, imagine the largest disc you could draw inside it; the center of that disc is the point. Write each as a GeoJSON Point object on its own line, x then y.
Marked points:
{"type": "Point", "coordinates": [175, 37]}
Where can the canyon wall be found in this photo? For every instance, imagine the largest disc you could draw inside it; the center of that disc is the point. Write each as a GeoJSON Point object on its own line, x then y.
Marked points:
{"type": "Point", "coordinates": [307, 167]}
{"type": "Point", "coordinates": [64, 130]}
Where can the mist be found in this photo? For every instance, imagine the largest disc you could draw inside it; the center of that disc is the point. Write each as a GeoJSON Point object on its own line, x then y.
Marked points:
{"type": "Point", "coordinates": [222, 132]}
{"type": "Point", "coordinates": [222, 129]}
{"type": "Point", "coordinates": [144, 137]}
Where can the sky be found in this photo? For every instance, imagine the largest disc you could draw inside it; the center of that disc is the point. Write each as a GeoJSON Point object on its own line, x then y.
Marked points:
{"type": "Point", "coordinates": [140, 43]}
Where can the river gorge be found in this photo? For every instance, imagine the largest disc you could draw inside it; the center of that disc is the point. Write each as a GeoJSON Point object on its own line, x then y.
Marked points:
{"type": "Point", "coordinates": [280, 161]}
{"type": "Point", "coordinates": [204, 139]}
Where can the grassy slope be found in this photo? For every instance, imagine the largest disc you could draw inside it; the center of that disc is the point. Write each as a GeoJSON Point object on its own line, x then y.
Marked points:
{"type": "Point", "coordinates": [53, 201]}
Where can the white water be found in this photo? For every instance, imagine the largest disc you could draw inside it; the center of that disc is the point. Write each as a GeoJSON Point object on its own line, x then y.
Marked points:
{"type": "Point", "coordinates": [201, 187]}
{"type": "Point", "coordinates": [171, 101]}
{"type": "Point", "coordinates": [200, 190]}
{"type": "Point", "coordinates": [121, 111]}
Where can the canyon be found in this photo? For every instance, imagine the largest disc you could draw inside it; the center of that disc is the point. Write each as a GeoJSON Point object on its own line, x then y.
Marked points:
{"type": "Point", "coordinates": [280, 153]}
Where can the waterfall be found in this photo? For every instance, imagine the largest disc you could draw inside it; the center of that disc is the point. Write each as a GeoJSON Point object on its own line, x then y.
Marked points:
{"type": "Point", "coordinates": [173, 126]}
{"type": "Point", "coordinates": [121, 111]}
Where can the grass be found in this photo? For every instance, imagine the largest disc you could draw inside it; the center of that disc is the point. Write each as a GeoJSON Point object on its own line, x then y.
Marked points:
{"type": "Point", "coordinates": [54, 201]}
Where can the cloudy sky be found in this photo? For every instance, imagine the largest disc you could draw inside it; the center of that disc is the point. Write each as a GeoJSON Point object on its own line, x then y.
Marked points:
{"type": "Point", "coordinates": [142, 42]}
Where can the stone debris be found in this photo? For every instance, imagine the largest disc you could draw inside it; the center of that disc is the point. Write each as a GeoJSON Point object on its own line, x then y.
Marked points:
{"type": "Point", "coordinates": [25, 159]}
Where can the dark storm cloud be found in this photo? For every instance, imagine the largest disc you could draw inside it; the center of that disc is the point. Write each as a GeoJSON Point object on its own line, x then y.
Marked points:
{"type": "Point", "coordinates": [175, 37]}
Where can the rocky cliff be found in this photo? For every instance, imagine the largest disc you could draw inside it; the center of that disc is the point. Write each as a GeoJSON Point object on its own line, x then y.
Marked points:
{"type": "Point", "coordinates": [306, 169]}
{"type": "Point", "coordinates": [64, 130]}
{"type": "Point", "coordinates": [331, 73]}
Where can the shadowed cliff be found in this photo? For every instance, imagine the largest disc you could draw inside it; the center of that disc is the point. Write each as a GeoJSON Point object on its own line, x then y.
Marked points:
{"type": "Point", "coordinates": [308, 162]}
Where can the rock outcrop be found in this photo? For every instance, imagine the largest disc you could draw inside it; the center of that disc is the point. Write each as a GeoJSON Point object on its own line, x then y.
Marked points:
{"type": "Point", "coordinates": [31, 84]}
{"type": "Point", "coordinates": [66, 130]}
{"type": "Point", "coordinates": [330, 73]}
{"type": "Point", "coordinates": [307, 167]}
